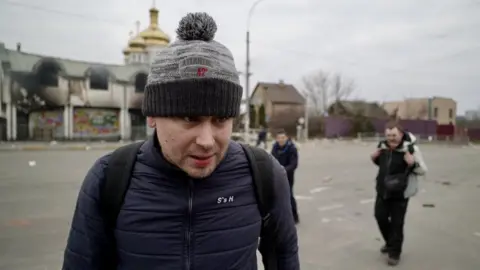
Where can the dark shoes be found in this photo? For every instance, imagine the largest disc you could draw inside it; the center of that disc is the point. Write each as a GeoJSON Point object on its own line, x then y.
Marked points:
{"type": "Point", "coordinates": [392, 260]}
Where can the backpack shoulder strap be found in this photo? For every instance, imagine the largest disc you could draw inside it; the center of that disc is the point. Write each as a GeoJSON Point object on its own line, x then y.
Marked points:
{"type": "Point", "coordinates": [118, 174]}
{"type": "Point", "coordinates": [262, 173]}
{"type": "Point", "coordinates": [411, 148]}
{"type": "Point", "coordinates": [261, 167]}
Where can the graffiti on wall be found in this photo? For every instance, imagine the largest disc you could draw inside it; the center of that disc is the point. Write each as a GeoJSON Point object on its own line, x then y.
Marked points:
{"type": "Point", "coordinates": [47, 119]}
{"type": "Point", "coordinates": [51, 122]}
{"type": "Point", "coordinates": [95, 123]}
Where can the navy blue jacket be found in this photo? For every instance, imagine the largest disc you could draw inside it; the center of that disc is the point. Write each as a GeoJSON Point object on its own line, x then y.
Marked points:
{"type": "Point", "coordinates": [171, 221]}
{"type": "Point", "coordinates": [287, 156]}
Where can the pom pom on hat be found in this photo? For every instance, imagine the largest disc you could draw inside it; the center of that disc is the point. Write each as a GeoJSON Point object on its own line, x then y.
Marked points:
{"type": "Point", "coordinates": [197, 26]}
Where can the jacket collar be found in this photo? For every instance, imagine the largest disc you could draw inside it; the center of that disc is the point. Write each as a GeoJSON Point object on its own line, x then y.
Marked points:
{"type": "Point", "coordinates": [277, 146]}
{"type": "Point", "coordinates": [402, 147]}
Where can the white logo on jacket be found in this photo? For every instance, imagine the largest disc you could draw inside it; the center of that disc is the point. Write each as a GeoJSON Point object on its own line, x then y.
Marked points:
{"type": "Point", "coordinates": [225, 199]}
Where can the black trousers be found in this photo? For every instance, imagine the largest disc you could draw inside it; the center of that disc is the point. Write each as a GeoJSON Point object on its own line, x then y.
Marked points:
{"type": "Point", "coordinates": [390, 216]}
{"type": "Point", "coordinates": [262, 141]}
{"type": "Point", "coordinates": [293, 201]}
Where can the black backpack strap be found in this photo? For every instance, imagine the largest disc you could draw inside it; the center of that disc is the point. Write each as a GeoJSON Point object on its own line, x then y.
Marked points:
{"type": "Point", "coordinates": [118, 174]}
{"type": "Point", "coordinates": [261, 167]}
{"type": "Point", "coordinates": [113, 190]}
{"type": "Point", "coordinates": [411, 148]}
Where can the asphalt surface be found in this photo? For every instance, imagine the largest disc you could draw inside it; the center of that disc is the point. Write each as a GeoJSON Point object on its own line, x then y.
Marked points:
{"type": "Point", "coordinates": [335, 196]}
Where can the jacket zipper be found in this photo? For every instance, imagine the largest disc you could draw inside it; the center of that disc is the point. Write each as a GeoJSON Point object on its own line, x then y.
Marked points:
{"type": "Point", "coordinates": [389, 162]}
{"type": "Point", "coordinates": [188, 232]}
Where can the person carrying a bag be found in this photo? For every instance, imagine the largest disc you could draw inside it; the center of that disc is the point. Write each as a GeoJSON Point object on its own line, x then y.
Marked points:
{"type": "Point", "coordinates": [400, 163]}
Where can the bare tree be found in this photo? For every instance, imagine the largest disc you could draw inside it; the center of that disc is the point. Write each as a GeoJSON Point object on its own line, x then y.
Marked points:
{"type": "Point", "coordinates": [321, 89]}
{"type": "Point", "coordinates": [316, 87]}
{"type": "Point", "coordinates": [342, 88]}
{"type": "Point", "coordinates": [422, 112]}
{"type": "Point", "coordinates": [414, 109]}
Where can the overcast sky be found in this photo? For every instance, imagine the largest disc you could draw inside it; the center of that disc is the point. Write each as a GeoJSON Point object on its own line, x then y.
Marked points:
{"type": "Point", "coordinates": [391, 49]}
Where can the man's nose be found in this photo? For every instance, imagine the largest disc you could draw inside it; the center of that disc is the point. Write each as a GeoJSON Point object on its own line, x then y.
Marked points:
{"type": "Point", "coordinates": [205, 137]}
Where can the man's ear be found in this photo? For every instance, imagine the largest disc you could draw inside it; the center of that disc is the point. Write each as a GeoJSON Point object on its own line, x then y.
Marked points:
{"type": "Point", "coordinates": [151, 122]}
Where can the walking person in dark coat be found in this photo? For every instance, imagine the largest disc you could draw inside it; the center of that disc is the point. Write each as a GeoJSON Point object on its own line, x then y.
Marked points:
{"type": "Point", "coordinates": [285, 151]}
{"type": "Point", "coordinates": [191, 202]}
{"type": "Point", "coordinates": [400, 164]}
{"type": "Point", "coordinates": [262, 137]}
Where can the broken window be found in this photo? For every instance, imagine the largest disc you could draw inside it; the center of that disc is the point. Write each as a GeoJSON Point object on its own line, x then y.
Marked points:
{"type": "Point", "coordinates": [47, 73]}
{"type": "Point", "coordinates": [140, 82]}
{"type": "Point", "coordinates": [99, 79]}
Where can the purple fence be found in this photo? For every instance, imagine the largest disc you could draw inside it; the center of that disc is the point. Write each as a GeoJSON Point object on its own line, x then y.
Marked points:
{"type": "Point", "coordinates": [474, 134]}
{"type": "Point", "coordinates": [336, 126]}
{"type": "Point", "coordinates": [341, 127]}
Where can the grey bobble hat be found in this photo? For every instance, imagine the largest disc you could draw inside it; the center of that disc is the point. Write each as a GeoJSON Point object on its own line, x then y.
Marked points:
{"type": "Point", "coordinates": [193, 76]}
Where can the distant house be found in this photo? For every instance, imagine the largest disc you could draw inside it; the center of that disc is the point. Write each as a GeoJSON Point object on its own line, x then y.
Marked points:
{"type": "Point", "coordinates": [443, 110]}
{"type": "Point", "coordinates": [276, 99]}
{"type": "Point", "coordinates": [357, 107]}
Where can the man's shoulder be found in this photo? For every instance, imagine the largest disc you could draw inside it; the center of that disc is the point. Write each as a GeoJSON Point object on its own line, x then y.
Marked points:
{"type": "Point", "coordinates": [236, 154]}
{"type": "Point", "coordinates": [95, 176]}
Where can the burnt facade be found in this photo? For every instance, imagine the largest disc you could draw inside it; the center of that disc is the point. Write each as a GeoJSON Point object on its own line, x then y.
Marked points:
{"type": "Point", "coordinates": [50, 98]}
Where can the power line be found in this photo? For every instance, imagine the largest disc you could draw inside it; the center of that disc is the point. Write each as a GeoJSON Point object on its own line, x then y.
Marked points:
{"type": "Point", "coordinates": [60, 12]}
{"type": "Point", "coordinates": [405, 70]}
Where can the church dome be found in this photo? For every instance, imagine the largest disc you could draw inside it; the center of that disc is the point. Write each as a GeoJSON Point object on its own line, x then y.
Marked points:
{"type": "Point", "coordinates": [153, 35]}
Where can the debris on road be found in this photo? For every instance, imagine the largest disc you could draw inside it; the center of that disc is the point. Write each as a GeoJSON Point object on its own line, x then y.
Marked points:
{"type": "Point", "coordinates": [325, 220]}
{"type": "Point", "coordinates": [428, 205]}
{"type": "Point", "coordinates": [327, 179]}
{"type": "Point", "coordinates": [32, 163]}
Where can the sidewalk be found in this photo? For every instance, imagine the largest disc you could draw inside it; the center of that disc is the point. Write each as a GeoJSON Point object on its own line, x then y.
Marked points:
{"type": "Point", "coordinates": [83, 146]}
{"type": "Point", "coordinates": [57, 146]}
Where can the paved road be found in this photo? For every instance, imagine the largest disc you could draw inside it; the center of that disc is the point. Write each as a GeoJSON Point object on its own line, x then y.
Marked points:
{"type": "Point", "coordinates": [335, 191]}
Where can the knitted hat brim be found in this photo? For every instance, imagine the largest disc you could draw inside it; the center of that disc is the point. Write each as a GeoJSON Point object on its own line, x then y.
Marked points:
{"type": "Point", "coordinates": [193, 97]}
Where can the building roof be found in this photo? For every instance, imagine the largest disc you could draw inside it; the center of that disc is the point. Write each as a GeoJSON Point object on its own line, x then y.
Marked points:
{"type": "Point", "coordinates": [27, 62]}
{"type": "Point", "coordinates": [367, 109]}
{"type": "Point", "coordinates": [281, 93]}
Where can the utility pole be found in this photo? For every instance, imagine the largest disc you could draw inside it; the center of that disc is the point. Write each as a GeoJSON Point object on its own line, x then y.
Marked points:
{"type": "Point", "coordinates": [307, 112]}
{"type": "Point", "coordinates": [247, 75]}
{"type": "Point", "coordinates": [247, 91]}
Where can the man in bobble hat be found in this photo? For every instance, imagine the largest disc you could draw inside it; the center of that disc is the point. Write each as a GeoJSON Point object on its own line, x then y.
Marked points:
{"type": "Point", "coordinates": [188, 197]}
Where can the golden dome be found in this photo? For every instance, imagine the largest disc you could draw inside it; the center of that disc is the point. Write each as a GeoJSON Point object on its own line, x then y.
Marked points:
{"type": "Point", "coordinates": [153, 35]}
{"type": "Point", "coordinates": [130, 50]}
{"type": "Point", "coordinates": [136, 44]}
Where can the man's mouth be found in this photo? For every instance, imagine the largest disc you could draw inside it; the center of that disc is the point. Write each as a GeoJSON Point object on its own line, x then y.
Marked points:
{"type": "Point", "coordinates": [202, 161]}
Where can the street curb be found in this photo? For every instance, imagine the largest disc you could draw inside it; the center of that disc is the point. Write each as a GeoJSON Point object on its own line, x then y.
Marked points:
{"type": "Point", "coordinates": [56, 148]}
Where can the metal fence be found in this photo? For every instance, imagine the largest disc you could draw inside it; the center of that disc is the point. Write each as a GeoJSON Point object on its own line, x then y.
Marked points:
{"type": "Point", "coordinates": [421, 138]}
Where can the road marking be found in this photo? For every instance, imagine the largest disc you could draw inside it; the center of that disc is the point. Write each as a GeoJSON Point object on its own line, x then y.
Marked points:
{"type": "Point", "coordinates": [305, 198]}
{"type": "Point", "coordinates": [477, 234]}
{"type": "Point", "coordinates": [325, 220]}
{"type": "Point", "coordinates": [367, 201]}
{"type": "Point", "coordinates": [330, 207]}
{"type": "Point", "coordinates": [319, 189]}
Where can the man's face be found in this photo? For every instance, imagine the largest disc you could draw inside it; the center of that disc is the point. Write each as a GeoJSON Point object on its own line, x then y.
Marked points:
{"type": "Point", "coordinates": [281, 139]}
{"type": "Point", "coordinates": [194, 144]}
{"type": "Point", "coordinates": [394, 136]}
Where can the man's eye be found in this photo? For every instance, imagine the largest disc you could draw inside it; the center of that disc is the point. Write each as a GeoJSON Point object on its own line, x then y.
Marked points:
{"type": "Point", "coordinates": [190, 119]}
{"type": "Point", "coordinates": [221, 120]}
